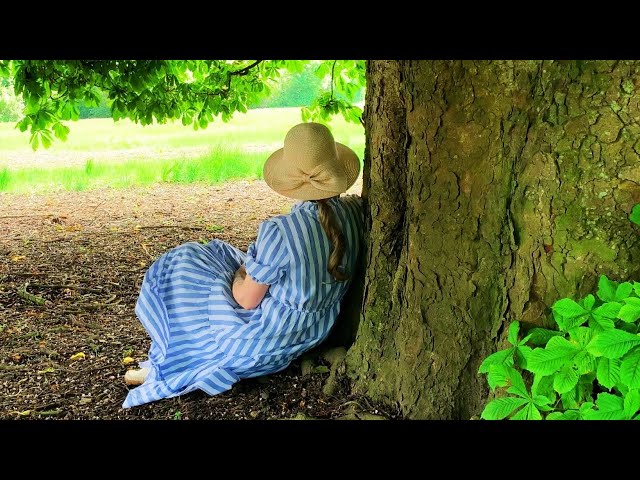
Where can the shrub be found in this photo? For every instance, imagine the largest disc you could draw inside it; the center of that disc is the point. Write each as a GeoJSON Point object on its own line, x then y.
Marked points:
{"type": "Point", "coordinates": [588, 369]}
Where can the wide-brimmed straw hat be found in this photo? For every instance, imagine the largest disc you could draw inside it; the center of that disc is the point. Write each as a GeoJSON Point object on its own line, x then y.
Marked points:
{"type": "Point", "coordinates": [311, 165]}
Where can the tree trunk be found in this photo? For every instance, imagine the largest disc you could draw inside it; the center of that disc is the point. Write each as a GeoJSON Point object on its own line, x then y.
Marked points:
{"type": "Point", "coordinates": [493, 189]}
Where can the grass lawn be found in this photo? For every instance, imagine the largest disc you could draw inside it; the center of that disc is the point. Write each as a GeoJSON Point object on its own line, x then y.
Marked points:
{"type": "Point", "coordinates": [101, 152]}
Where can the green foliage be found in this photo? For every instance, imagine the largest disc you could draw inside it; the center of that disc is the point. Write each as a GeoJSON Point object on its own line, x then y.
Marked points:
{"type": "Point", "coordinates": [589, 369]}
{"type": "Point", "coordinates": [346, 81]}
{"type": "Point", "coordinates": [147, 91]}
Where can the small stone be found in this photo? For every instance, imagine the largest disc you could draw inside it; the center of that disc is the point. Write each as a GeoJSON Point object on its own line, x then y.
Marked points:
{"type": "Point", "coordinates": [306, 366]}
{"type": "Point", "coordinates": [335, 355]}
{"type": "Point", "coordinates": [302, 416]}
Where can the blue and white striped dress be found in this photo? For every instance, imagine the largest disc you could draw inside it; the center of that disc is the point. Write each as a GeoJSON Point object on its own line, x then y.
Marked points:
{"type": "Point", "coordinates": [202, 339]}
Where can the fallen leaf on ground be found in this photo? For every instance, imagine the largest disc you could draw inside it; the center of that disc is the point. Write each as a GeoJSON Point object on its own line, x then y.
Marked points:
{"type": "Point", "coordinates": [78, 356]}
{"type": "Point", "coordinates": [17, 258]}
{"type": "Point", "coordinates": [128, 360]}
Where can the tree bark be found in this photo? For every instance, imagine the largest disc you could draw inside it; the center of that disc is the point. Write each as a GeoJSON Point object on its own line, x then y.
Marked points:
{"type": "Point", "coordinates": [493, 189]}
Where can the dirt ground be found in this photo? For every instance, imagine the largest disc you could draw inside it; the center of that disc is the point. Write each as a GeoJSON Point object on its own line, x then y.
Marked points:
{"type": "Point", "coordinates": [82, 256]}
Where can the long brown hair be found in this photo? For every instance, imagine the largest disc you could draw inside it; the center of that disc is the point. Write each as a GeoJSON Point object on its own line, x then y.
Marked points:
{"type": "Point", "coordinates": [334, 233]}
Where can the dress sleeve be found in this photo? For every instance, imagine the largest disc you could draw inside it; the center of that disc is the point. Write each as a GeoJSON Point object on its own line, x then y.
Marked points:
{"type": "Point", "coordinates": [267, 258]}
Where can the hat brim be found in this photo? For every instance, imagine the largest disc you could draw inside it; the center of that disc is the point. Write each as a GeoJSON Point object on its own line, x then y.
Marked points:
{"type": "Point", "coordinates": [275, 168]}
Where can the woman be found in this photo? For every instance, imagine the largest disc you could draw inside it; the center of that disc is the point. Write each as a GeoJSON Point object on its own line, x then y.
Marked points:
{"type": "Point", "coordinates": [216, 315]}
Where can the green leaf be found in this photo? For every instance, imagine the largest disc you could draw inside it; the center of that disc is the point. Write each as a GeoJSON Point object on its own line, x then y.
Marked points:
{"type": "Point", "coordinates": [514, 328]}
{"type": "Point", "coordinates": [533, 413]}
{"type": "Point", "coordinates": [501, 408]}
{"type": "Point", "coordinates": [501, 357]}
{"type": "Point", "coordinates": [24, 124]}
{"type": "Point", "coordinates": [603, 316]}
{"type": "Point", "coordinates": [585, 386]}
{"type": "Point", "coordinates": [568, 415]}
{"type": "Point", "coordinates": [612, 343]}
{"type": "Point", "coordinates": [517, 384]}
{"type": "Point", "coordinates": [34, 140]}
{"type": "Point", "coordinates": [623, 291]}
{"type": "Point", "coordinates": [583, 359]}
{"type": "Point", "coordinates": [556, 415]}
{"type": "Point", "coordinates": [635, 214]}
{"type": "Point", "coordinates": [610, 407]}
{"type": "Point", "coordinates": [540, 336]}
{"type": "Point", "coordinates": [606, 289]}
{"type": "Point", "coordinates": [45, 138]}
{"type": "Point", "coordinates": [558, 352]}
{"type": "Point", "coordinates": [570, 399]}
{"type": "Point", "coordinates": [524, 340]}
{"type": "Point", "coordinates": [543, 386]}
{"type": "Point", "coordinates": [636, 288]}
{"type": "Point", "coordinates": [588, 302]}
{"type": "Point", "coordinates": [608, 372]}
{"type": "Point", "coordinates": [522, 354]}
{"type": "Point", "coordinates": [598, 324]}
{"type": "Point", "coordinates": [608, 310]}
{"type": "Point", "coordinates": [631, 403]}
{"type": "Point", "coordinates": [498, 376]}
{"type": "Point", "coordinates": [61, 131]}
{"type": "Point", "coordinates": [630, 369]}
{"type": "Point", "coordinates": [584, 362]}
{"type": "Point", "coordinates": [630, 312]}
{"type": "Point", "coordinates": [541, 400]}
{"type": "Point", "coordinates": [566, 379]}
{"type": "Point", "coordinates": [571, 313]}
{"type": "Point", "coordinates": [530, 412]}
{"type": "Point", "coordinates": [585, 407]}
{"type": "Point", "coordinates": [581, 335]}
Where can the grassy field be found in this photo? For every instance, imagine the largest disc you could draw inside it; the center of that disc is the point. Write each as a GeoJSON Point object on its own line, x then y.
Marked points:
{"type": "Point", "coordinates": [101, 152]}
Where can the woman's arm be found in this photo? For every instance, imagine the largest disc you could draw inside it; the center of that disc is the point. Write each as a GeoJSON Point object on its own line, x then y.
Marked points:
{"type": "Point", "coordinates": [246, 291]}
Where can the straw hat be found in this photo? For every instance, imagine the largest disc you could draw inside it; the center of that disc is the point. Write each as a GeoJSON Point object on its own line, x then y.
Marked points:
{"type": "Point", "coordinates": [311, 165]}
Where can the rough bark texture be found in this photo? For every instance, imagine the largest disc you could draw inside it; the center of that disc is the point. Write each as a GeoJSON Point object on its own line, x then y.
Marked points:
{"type": "Point", "coordinates": [493, 189]}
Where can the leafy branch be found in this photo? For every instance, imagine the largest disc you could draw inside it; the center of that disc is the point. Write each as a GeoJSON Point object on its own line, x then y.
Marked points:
{"type": "Point", "coordinates": [147, 91]}
{"type": "Point", "coordinates": [587, 369]}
